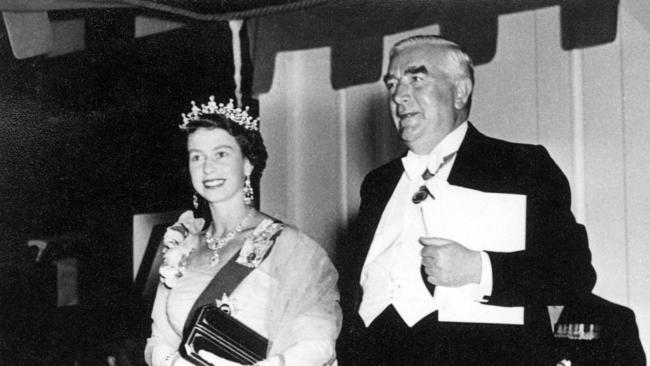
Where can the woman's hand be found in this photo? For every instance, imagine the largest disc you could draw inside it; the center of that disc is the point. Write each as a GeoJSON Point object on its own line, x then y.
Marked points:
{"type": "Point", "coordinates": [216, 360]}
{"type": "Point", "coordinates": [180, 361]}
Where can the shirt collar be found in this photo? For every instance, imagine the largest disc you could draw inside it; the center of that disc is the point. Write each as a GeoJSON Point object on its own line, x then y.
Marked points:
{"type": "Point", "coordinates": [414, 164]}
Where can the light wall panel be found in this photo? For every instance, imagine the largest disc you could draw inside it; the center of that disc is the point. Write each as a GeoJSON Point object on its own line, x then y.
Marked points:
{"type": "Point", "coordinates": [504, 101]}
{"type": "Point", "coordinates": [604, 171]}
{"type": "Point", "coordinates": [302, 185]}
{"type": "Point", "coordinates": [554, 92]}
{"type": "Point", "coordinates": [363, 112]}
{"type": "Point", "coordinates": [635, 40]}
{"type": "Point", "coordinates": [275, 112]}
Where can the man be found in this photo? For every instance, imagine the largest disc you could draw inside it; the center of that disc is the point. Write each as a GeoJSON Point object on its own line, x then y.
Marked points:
{"type": "Point", "coordinates": [391, 268]}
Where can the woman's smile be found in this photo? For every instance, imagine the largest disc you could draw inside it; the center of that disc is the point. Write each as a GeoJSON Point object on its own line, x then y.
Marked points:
{"type": "Point", "coordinates": [213, 183]}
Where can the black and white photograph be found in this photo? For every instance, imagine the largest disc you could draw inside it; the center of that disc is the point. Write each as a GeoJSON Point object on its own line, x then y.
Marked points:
{"type": "Point", "coordinates": [324, 182]}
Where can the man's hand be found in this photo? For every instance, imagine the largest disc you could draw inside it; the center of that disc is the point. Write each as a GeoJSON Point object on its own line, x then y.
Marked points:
{"type": "Point", "coordinates": [450, 264]}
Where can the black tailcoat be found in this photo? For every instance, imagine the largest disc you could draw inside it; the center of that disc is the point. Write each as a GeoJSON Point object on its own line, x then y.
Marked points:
{"type": "Point", "coordinates": [555, 267]}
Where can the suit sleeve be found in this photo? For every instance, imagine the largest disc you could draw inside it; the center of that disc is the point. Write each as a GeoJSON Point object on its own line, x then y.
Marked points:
{"type": "Point", "coordinates": [556, 265]}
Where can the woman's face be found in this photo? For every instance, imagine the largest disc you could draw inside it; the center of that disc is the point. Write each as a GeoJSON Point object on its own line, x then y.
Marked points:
{"type": "Point", "coordinates": [217, 165]}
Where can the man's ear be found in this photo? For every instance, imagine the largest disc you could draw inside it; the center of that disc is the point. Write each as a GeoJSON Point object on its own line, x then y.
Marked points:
{"type": "Point", "coordinates": [463, 89]}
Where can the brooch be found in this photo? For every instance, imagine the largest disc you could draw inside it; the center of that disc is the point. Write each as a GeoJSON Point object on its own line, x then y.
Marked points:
{"type": "Point", "coordinates": [256, 247]}
{"type": "Point", "coordinates": [253, 251]}
{"type": "Point", "coordinates": [226, 304]}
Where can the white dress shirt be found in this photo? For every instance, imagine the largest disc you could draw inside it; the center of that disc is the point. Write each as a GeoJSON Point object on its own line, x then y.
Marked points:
{"type": "Point", "coordinates": [391, 272]}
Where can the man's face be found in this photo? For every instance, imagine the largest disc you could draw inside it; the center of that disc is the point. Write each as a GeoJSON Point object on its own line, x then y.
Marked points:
{"type": "Point", "coordinates": [421, 97]}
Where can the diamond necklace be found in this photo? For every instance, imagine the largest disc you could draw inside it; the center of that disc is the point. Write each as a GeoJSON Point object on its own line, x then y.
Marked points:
{"type": "Point", "coordinates": [215, 244]}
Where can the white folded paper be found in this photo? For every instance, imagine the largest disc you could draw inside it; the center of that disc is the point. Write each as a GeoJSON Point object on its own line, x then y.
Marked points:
{"type": "Point", "coordinates": [479, 221]}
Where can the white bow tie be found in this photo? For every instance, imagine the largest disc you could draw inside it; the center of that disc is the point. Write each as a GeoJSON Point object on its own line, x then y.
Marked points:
{"type": "Point", "coordinates": [423, 170]}
{"type": "Point", "coordinates": [415, 165]}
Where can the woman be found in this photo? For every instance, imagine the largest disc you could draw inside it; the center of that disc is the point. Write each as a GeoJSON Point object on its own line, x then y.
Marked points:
{"type": "Point", "coordinates": [289, 297]}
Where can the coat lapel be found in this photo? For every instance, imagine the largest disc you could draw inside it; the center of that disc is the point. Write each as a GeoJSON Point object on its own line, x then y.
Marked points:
{"type": "Point", "coordinates": [467, 170]}
{"type": "Point", "coordinates": [388, 180]}
{"type": "Point", "coordinates": [376, 198]}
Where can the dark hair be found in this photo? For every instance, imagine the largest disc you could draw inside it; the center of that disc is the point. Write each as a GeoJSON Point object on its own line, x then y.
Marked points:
{"type": "Point", "coordinates": [250, 141]}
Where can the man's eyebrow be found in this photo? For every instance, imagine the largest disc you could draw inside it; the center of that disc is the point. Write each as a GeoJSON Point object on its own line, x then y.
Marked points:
{"type": "Point", "coordinates": [409, 71]}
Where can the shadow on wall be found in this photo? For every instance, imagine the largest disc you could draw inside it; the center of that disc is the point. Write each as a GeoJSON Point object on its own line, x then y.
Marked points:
{"type": "Point", "coordinates": [355, 30]}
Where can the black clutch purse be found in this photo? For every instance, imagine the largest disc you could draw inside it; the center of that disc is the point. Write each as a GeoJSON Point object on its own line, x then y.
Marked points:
{"type": "Point", "coordinates": [215, 331]}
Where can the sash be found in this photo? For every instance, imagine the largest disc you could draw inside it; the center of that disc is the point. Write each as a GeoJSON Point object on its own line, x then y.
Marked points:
{"type": "Point", "coordinates": [225, 282]}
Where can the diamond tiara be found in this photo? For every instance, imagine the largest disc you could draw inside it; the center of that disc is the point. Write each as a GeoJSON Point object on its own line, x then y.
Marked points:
{"type": "Point", "coordinates": [237, 115]}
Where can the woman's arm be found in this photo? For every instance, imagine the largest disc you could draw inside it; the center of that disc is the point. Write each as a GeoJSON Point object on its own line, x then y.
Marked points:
{"type": "Point", "coordinates": [162, 346]}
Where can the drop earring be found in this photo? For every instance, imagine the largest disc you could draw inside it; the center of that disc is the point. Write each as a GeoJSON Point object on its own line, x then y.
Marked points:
{"type": "Point", "coordinates": [195, 201]}
{"type": "Point", "coordinates": [249, 195]}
